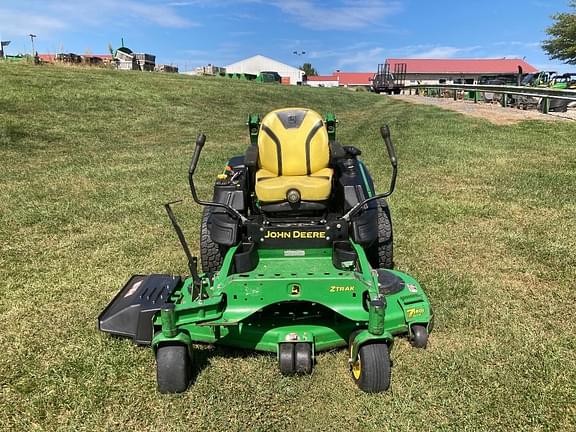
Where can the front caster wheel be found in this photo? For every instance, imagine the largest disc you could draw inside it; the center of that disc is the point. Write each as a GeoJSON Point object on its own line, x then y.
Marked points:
{"type": "Point", "coordinates": [371, 371]}
{"type": "Point", "coordinates": [172, 368]}
{"type": "Point", "coordinates": [419, 337]}
{"type": "Point", "coordinates": [286, 358]}
{"type": "Point", "coordinates": [295, 358]}
{"type": "Point", "coordinates": [303, 358]}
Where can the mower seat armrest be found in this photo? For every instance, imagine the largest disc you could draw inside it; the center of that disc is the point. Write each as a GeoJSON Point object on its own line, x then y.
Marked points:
{"type": "Point", "coordinates": [251, 157]}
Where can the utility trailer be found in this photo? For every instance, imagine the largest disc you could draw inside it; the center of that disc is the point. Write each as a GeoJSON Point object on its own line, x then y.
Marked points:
{"type": "Point", "coordinates": [387, 81]}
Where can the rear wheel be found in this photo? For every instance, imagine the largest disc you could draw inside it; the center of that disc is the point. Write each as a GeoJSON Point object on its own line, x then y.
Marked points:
{"type": "Point", "coordinates": [381, 253]}
{"type": "Point", "coordinates": [371, 371]}
{"type": "Point", "coordinates": [172, 368]}
{"type": "Point", "coordinates": [211, 254]}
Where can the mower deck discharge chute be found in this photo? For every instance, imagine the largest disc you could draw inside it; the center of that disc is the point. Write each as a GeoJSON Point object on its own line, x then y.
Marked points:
{"type": "Point", "coordinates": [296, 254]}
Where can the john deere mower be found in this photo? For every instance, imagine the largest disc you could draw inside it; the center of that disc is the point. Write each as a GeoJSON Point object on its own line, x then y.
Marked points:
{"type": "Point", "coordinates": [297, 256]}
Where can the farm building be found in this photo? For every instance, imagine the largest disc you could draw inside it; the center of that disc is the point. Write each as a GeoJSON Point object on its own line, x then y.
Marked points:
{"type": "Point", "coordinates": [341, 79]}
{"type": "Point", "coordinates": [166, 68]}
{"type": "Point", "coordinates": [458, 71]}
{"type": "Point", "coordinates": [125, 59]}
{"type": "Point", "coordinates": [322, 81]}
{"type": "Point", "coordinates": [71, 58]}
{"type": "Point", "coordinates": [259, 63]}
{"type": "Point", "coordinates": [353, 79]}
{"type": "Point", "coordinates": [209, 70]}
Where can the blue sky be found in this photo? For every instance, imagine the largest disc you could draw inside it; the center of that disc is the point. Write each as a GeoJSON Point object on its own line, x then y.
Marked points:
{"type": "Point", "coordinates": [348, 35]}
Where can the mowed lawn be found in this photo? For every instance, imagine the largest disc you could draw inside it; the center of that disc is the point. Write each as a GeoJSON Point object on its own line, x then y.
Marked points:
{"type": "Point", "coordinates": [484, 217]}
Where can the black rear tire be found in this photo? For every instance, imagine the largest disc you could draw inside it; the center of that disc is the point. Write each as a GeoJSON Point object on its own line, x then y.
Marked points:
{"type": "Point", "coordinates": [172, 368]}
{"type": "Point", "coordinates": [372, 371]}
{"type": "Point", "coordinates": [211, 254]}
{"type": "Point", "coordinates": [381, 253]}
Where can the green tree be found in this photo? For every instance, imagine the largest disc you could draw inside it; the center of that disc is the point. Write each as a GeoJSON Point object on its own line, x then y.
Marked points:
{"type": "Point", "coordinates": [308, 69]}
{"type": "Point", "coordinates": [562, 43]}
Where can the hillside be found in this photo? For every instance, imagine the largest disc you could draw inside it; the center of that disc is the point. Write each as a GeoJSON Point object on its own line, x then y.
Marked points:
{"type": "Point", "coordinates": [483, 218]}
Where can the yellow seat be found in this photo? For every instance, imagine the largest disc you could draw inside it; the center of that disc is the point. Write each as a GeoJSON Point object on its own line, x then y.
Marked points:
{"type": "Point", "coordinates": [293, 153]}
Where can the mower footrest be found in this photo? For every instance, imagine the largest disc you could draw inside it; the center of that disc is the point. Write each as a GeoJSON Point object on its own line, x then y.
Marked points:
{"type": "Point", "coordinates": [131, 312]}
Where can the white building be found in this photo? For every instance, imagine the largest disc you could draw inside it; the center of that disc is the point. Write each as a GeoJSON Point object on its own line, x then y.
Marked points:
{"type": "Point", "coordinates": [259, 63]}
{"type": "Point", "coordinates": [322, 81]}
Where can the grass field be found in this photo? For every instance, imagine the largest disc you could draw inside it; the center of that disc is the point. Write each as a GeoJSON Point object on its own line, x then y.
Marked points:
{"type": "Point", "coordinates": [485, 218]}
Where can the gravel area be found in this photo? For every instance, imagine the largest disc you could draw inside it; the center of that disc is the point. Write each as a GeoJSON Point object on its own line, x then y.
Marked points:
{"type": "Point", "coordinates": [491, 112]}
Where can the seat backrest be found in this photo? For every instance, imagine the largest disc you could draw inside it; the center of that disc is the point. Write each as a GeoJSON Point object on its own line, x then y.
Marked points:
{"type": "Point", "coordinates": [293, 142]}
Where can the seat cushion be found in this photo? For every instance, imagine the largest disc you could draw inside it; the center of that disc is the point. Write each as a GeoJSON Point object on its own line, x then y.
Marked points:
{"type": "Point", "coordinates": [314, 187]}
{"type": "Point", "coordinates": [293, 142]}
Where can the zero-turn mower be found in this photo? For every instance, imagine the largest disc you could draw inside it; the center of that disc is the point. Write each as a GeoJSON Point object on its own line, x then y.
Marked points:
{"type": "Point", "coordinates": [296, 253]}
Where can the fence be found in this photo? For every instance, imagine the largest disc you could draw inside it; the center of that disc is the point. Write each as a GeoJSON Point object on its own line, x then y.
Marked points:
{"type": "Point", "coordinates": [536, 92]}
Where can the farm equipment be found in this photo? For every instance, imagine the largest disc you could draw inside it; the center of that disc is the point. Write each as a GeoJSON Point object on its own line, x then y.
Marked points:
{"type": "Point", "coordinates": [263, 77]}
{"type": "Point", "coordinates": [386, 81]}
{"type": "Point", "coordinates": [297, 257]}
{"type": "Point", "coordinates": [503, 80]}
{"type": "Point", "coordinates": [537, 79]}
{"type": "Point", "coordinates": [565, 81]}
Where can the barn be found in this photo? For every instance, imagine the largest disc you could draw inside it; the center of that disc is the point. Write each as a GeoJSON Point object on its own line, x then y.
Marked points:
{"type": "Point", "coordinates": [322, 81]}
{"type": "Point", "coordinates": [458, 71]}
{"type": "Point", "coordinates": [259, 63]}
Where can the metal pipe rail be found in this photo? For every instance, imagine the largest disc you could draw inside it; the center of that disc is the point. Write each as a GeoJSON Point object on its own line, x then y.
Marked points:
{"type": "Point", "coordinates": [542, 92]}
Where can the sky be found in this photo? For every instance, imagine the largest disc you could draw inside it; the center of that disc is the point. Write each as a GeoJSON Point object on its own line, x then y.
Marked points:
{"type": "Point", "coordinates": [347, 35]}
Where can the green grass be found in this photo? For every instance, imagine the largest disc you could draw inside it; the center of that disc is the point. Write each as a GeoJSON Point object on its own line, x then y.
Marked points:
{"type": "Point", "coordinates": [484, 217]}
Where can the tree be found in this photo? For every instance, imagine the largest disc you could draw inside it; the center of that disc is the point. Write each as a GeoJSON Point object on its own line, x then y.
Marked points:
{"type": "Point", "coordinates": [562, 44]}
{"type": "Point", "coordinates": [308, 69]}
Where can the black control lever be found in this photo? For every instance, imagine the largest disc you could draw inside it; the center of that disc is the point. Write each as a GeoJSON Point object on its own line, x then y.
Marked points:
{"type": "Point", "coordinates": [200, 141]}
{"type": "Point", "coordinates": [192, 260]}
{"type": "Point", "coordinates": [385, 132]}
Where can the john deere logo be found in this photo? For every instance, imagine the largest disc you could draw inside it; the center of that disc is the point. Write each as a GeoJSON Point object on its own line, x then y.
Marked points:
{"type": "Point", "coordinates": [295, 235]}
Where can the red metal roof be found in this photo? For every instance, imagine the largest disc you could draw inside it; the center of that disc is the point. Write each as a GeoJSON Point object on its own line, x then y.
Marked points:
{"type": "Point", "coordinates": [354, 78]}
{"type": "Point", "coordinates": [455, 66]}
{"type": "Point", "coordinates": [322, 78]}
{"type": "Point", "coordinates": [46, 57]}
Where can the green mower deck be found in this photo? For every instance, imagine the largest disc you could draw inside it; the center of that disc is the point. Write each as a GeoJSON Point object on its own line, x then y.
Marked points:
{"type": "Point", "coordinates": [274, 303]}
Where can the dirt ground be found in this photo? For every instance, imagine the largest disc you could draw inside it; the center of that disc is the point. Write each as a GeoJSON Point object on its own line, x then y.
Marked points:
{"type": "Point", "coordinates": [492, 112]}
